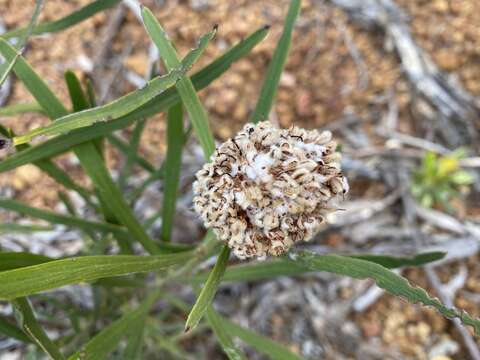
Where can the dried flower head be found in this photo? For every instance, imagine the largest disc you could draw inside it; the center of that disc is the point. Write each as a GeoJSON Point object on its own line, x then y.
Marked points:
{"type": "Point", "coordinates": [268, 188]}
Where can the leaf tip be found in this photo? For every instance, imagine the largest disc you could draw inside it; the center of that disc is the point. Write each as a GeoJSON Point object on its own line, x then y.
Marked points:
{"type": "Point", "coordinates": [145, 11]}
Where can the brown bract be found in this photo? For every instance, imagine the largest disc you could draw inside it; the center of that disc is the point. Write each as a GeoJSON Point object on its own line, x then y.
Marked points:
{"type": "Point", "coordinates": [268, 188]}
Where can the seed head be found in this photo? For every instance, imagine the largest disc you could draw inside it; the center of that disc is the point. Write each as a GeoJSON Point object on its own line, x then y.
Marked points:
{"type": "Point", "coordinates": [268, 188]}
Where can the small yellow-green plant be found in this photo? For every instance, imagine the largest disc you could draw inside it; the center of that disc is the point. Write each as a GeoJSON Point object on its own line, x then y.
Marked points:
{"type": "Point", "coordinates": [440, 179]}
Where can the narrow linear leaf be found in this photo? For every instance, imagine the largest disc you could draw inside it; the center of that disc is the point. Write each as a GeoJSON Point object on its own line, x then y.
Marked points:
{"type": "Point", "coordinates": [133, 350]}
{"type": "Point", "coordinates": [203, 78]}
{"type": "Point", "coordinates": [209, 290]}
{"type": "Point", "coordinates": [92, 102]}
{"type": "Point", "coordinates": [91, 153]}
{"type": "Point", "coordinates": [96, 170]}
{"type": "Point", "coordinates": [173, 163]}
{"type": "Point", "coordinates": [56, 218]}
{"type": "Point", "coordinates": [392, 262]}
{"type": "Point", "coordinates": [385, 279]}
{"type": "Point", "coordinates": [92, 99]}
{"type": "Point", "coordinates": [65, 199]}
{"type": "Point", "coordinates": [7, 67]}
{"type": "Point", "coordinates": [31, 327]}
{"type": "Point", "coordinates": [52, 170]}
{"type": "Point", "coordinates": [107, 340]}
{"type": "Point", "coordinates": [131, 154]}
{"type": "Point", "coordinates": [185, 87]}
{"type": "Point", "coordinates": [91, 160]}
{"type": "Point", "coordinates": [258, 271]}
{"type": "Point", "coordinates": [11, 330]}
{"type": "Point", "coordinates": [13, 110]}
{"type": "Point", "coordinates": [270, 84]}
{"type": "Point", "coordinates": [21, 228]}
{"type": "Point", "coordinates": [223, 335]}
{"type": "Point", "coordinates": [123, 147]}
{"type": "Point", "coordinates": [157, 174]}
{"type": "Point", "coordinates": [105, 113]}
{"type": "Point", "coordinates": [114, 109]}
{"type": "Point", "coordinates": [192, 56]}
{"type": "Point", "coordinates": [37, 278]}
{"type": "Point", "coordinates": [259, 342]}
{"type": "Point", "coordinates": [77, 96]}
{"type": "Point", "coordinates": [284, 267]}
{"type": "Point", "coordinates": [13, 260]}
{"type": "Point", "coordinates": [47, 100]}
{"type": "Point", "coordinates": [67, 21]}
{"type": "Point", "coordinates": [198, 118]}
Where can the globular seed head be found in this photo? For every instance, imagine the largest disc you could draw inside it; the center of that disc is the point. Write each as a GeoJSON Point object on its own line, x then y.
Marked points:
{"type": "Point", "coordinates": [275, 185]}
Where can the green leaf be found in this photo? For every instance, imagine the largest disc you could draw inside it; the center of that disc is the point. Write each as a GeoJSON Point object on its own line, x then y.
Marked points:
{"type": "Point", "coordinates": [385, 279]}
{"type": "Point", "coordinates": [259, 342]}
{"type": "Point", "coordinates": [107, 340]}
{"type": "Point", "coordinates": [31, 327]}
{"type": "Point", "coordinates": [157, 175]}
{"type": "Point", "coordinates": [56, 218]}
{"type": "Point", "coordinates": [7, 67]}
{"type": "Point", "coordinates": [203, 78]}
{"type": "Point", "coordinates": [93, 163]}
{"type": "Point", "coordinates": [192, 56]}
{"type": "Point", "coordinates": [67, 21]}
{"type": "Point", "coordinates": [258, 271]}
{"type": "Point", "coordinates": [173, 163]}
{"type": "Point", "coordinates": [195, 110]}
{"type": "Point", "coordinates": [270, 84]}
{"type": "Point", "coordinates": [133, 350]}
{"type": "Point", "coordinates": [77, 96]}
{"type": "Point", "coordinates": [223, 335]}
{"type": "Point", "coordinates": [124, 148]}
{"type": "Point", "coordinates": [392, 262]}
{"type": "Point", "coordinates": [13, 260]}
{"type": "Point", "coordinates": [284, 267]}
{"type": "Point", "coordinates": [49, 102]}
{"type": "Point", "coordinates": [199, 120]}
{"type": "Point", "coordinates": [13, 110]}
{"type": "Point", "coordinates": [131, 154]}
{"type": "Point", "coordinates": [37, 278]}
{"type": "Point", "coordinates": [92, 101]}
{"type": "Point", "coordinates": [96, 170]}
{"type": "Point", "coordinates": [10, 330]}
{"type": "Point", "coordinates": [117, 108]}
{"type": "Point", "coordinates": [58, 175]}
{"type": "Point", "coordinates": [209, 290]}
{"type": "Point", "coordinates": [20, 228]}
{"type": "Point", "coordinates": [87, 152]}
{"type": "Point", "coordinates": [113, 110]}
